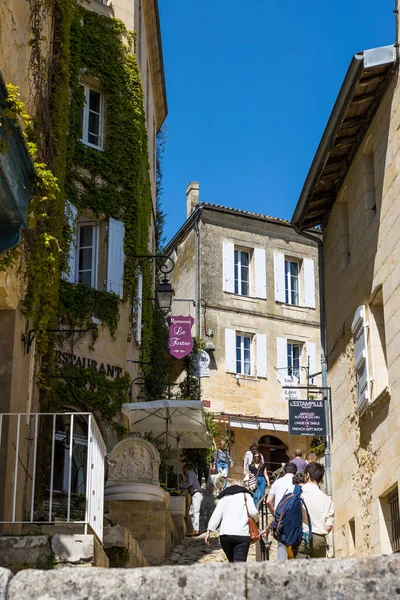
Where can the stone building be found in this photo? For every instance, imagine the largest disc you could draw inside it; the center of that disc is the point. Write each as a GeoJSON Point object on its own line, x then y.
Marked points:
{"type": "Point", "coordinates": [251, 284]}
{"type": "Point", "coordinates": [72, 334]}
{"type": "Point", "coordinates": [352, 192]}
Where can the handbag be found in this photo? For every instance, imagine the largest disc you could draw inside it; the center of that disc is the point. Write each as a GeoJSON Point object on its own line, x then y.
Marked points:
{"type": "Point", "coordinates": [253, 528]}
{"type": "Point", "coordinates": [252, 482]}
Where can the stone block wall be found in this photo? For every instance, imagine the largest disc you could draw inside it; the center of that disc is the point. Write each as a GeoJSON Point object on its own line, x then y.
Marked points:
{"type": "Point", "coordinates": [355, 579]}
{"type": "Point", "coordinates": [49, 552]}
{"type": "Point", "coordinates": [362, 267]}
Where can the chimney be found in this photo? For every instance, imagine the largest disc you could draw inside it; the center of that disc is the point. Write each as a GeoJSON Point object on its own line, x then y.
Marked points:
{"type": "Point", "coordinates": [192, 197]}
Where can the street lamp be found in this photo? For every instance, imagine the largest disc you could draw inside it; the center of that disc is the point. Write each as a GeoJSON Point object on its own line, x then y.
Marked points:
{"type": "Point", "coordinates": [164, 295]}
{"type": "Point", "coordinates": [164, 290]}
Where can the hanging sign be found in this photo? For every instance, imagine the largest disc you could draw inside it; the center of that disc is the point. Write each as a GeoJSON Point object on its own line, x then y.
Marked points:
{"type": "Point", "coordinates": [307, 417]}
{"type": "Point", "coordinates": [180, 341]}
{"type": "Point", "coordinates": [200, 364]}
{"type": "Point", "coordinates": [289, 393]}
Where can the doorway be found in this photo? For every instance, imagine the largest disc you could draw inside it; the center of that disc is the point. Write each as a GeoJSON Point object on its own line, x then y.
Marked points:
{"type": "Point", "coordinates": [274, 452]}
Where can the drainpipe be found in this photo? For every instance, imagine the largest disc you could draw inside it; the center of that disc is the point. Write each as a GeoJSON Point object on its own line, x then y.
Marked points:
{"type": "Point", "coordinates": [323, 353]}
{"type": "Point", "coordinates": [197, 272]}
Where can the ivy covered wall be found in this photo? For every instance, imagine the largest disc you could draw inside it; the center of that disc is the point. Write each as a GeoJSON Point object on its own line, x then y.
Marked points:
{"type": "Point", "coordinates": [113, 183]}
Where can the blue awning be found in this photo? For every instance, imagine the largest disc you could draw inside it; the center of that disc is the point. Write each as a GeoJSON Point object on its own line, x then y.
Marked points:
{"type": "Point", "coordinates": [16, 174]}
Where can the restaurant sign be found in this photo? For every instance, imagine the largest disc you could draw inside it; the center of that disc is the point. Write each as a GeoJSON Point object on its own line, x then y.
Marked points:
{"type": "Point", "coordinates": [307, 417]}
{"type": "Point", "coordinates": [180, 341]}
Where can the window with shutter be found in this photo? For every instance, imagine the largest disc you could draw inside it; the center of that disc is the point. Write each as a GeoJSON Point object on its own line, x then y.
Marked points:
{"type": "Point", "coordinates": [279, 274]}
{"type": "Point", "coordinates": [260, 273]}
{"type": "Point", "coordinates": [309, 282]}
{"type": "Point", "coordinates": [359, 331]}
{"type": "Point", "coordinates": [242, 272]}
{"type": "Point", "coordinates": [228, 277]}
{"type": "Point", "coordinates": [292, 282]}
{"type": "Point", "coordinates": [116, 257]}
{"type": "Point", "coordinates": [243, 355]}
{"type": "Point", "coordinates": [230, 350]}
{"type": "Point", "coordinates": [71, 214]}
{"type": "Point", "coordinates": [261, 354]}
{"type": "Point", "coordinates": [281, 358]}
{"type": "Point", "coordinates": [92, 118]}
{"type": "Point", "coordinates": [312, 359]}
{"type": "Point", "coordinates": [87, 254]}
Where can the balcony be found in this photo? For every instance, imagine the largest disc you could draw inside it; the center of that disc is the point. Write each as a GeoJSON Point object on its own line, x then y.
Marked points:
{"type": "Point", "coordinates": [52, 467]}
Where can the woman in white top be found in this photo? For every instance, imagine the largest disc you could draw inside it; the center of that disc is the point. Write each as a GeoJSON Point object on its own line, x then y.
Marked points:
{"type": "Point", "coordinates": [231, 517]}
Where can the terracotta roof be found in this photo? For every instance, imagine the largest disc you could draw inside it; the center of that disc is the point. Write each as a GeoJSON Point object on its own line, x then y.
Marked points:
{"type": "Point", "coordinates": [245, 212]}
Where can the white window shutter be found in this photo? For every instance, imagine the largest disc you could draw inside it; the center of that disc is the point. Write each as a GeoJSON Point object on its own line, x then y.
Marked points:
{"type": "Point", "coordinates": [261, 350]}
{"type": "Point", "coordinates": [309, 283]}
{"type": "Point", "coordinates": [139, 304]}
{"type": "Point", "coordinates": [312, 358]}
{"type": "Point", "coordinates": [230, 350]}
{"type": "Point", "coordinates": [72, 215]}
{"type": "Point", "coordinates": [228, 284]}
{"type": "Point", "coordinates": [260, 273]}
{"type": "Point", "coordinates": [279, 272]}
{"type": "Point", "coordinates": [359, 330]}
{"type": "Point", "coordinates": [116, 257]}
{"type": "Point", "coordinates": [281, 358]}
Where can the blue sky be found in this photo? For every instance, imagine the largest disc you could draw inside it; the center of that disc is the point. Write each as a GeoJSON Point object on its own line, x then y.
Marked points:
{"type": "Point", "coordinates": [250, 87]}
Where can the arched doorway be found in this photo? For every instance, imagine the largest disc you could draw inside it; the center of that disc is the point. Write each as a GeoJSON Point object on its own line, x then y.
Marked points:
{"type": "Point", "coordinates": [274, 452]}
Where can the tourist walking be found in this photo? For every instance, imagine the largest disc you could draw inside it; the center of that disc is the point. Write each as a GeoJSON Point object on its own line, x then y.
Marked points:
{"type": "Point", "coordinates": [222, 460]}
{"type": "Point", "coordinates": [321, 510]}
{"type": "Point", "coordinates": [192, 484]}
{"type": "Point", "coordinates": [299, 461]}
{"type": "Point", "coordinates": [231, 517]}
{"type": "Point", "coordinates": [248, 458]}
{"type": "Point", "coordinates": [259, 470]}
{"type": "Point", "coordinates": [279, 488]}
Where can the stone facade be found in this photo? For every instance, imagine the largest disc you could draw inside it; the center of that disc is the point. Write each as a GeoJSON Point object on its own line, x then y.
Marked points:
{"type": "Point", "coordinates": [18, 368]}
{"type": "Point", "coordinates": [262, 315]}
{"type": "Point", "coordinates": [361, 236]}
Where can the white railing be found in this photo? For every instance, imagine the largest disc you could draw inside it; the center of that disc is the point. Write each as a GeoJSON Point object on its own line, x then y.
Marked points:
{"type": "Point", "coordinates": [52, 469]}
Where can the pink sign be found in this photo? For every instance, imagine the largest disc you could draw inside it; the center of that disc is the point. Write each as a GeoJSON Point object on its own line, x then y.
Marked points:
{"type": "Point", "coordinates": [180, 341]}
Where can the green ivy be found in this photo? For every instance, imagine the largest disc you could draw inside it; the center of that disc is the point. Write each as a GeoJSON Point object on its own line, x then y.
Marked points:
{"type": "Point", "coordinates": [91, 390]}
{"type": "Point", "coordinates": [79, 302]}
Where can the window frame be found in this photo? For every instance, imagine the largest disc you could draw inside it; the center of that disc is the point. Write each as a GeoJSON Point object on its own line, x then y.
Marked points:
{"type": "Point", "coordinates": [85, 117]}
{"type": "Point", "coordinates": [237, 266]}
{"type": "Point", "coordinates": [289, 291]}
{"type": "Point", "coordinates": [242, 361]}
{"type": "Point", "coordinates": [95, 252]}
{"type": "Point", "coordinates": [290, 367]}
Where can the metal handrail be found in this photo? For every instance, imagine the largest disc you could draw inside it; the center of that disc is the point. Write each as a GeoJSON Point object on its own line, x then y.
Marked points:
{"type": "Point", "coordinates": [22, 439]}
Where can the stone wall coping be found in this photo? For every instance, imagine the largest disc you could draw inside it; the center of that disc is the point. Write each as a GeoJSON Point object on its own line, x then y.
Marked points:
{"type": "Point", "coordinates": [356, 579]}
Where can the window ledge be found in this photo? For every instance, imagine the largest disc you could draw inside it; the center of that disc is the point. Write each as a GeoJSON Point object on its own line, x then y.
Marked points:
{"type": "Point", "coordinates": [381, 398]}
{"type": "Point", "coordinates": [295, 306]}
{"type": "Point", "coordinates": [239, 376]}
{"type": "Point", "coordinates": [246, 298]}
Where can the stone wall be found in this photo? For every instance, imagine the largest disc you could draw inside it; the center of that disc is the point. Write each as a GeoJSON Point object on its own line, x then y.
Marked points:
{"type": "Point", "coordinates": [355, 579]}
{"type": "Point", "coordinates": [362, 267]}
{"type": "Point", "coordinates": [49, 552]}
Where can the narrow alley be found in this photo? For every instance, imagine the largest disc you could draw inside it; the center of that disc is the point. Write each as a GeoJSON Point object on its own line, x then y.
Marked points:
{"type": "Point", "coordinates": [192, 550]}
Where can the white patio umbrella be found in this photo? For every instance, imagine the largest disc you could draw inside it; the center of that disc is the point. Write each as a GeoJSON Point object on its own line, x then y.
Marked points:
{"type": "Point", "coordinates": [182, 420]}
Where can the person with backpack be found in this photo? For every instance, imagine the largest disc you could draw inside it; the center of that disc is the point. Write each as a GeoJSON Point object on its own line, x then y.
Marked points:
{"type": "Point", "coordinates": [287, 527]}
{"type": "Point", "coordinates": [321, 512]}
{"type": "Point", "coordinates": [279, 488]}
